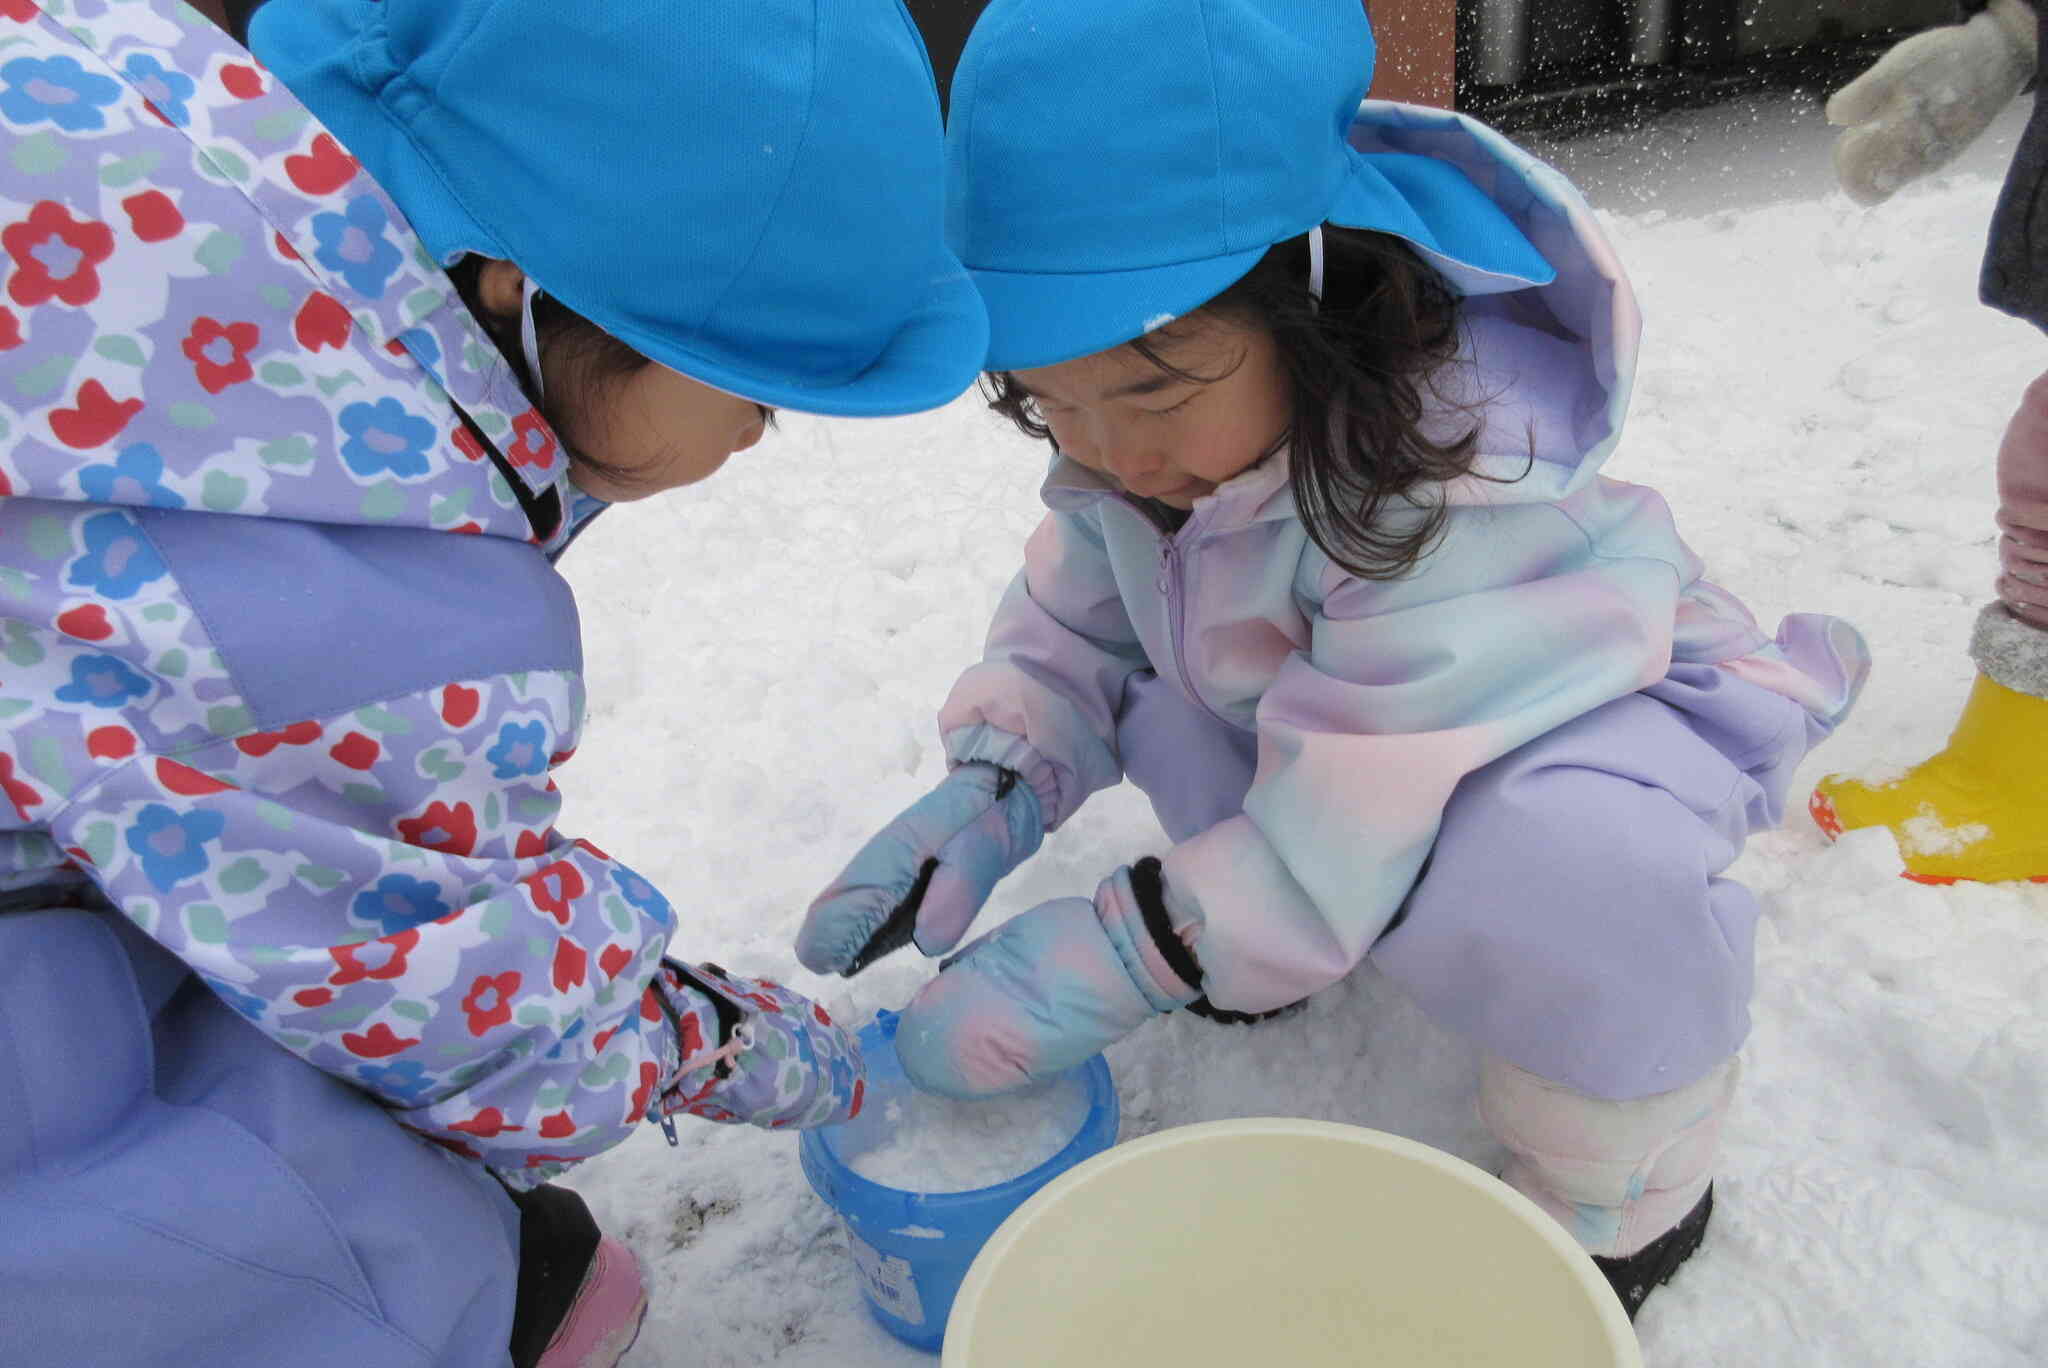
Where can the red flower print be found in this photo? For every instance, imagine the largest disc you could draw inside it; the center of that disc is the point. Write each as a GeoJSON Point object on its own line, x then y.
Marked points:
{"type": "Point", "coordinates": [383, 958]}
{"type": "Point", "coordinates": [557, 1127]}
{"type": "Point", "coordinates": [860, 1088]}
{"type": "Point", "coordinates": [572, 964]}
{"type": "Point", "coordinates": [490, 1000]}
{"type": "Point", "coordinates": [154, 216]}
{"type": "Point", "coordinates": [56, 256]}
{"type": "Point", "coordinates": [530, 843]}
{"type": "Point", "coordinates": [219, 352]}
{"type": "Point", "coordinates": [10, 330]}
{"type": "Point", "coordinates": [554, 888]}
{"type": "Point", "coordinates": [533, 442]}
{"type": "Point", "coordinates": [20, 11]}
{"type": "Point", "coordinates": [379, 1042]}
{"type": "Point", "coordinates": [466, 443]}
{"type": "Point", "coordinates": [456, 1146]}
{"type": "Point", "coordinates": [614, 959]}
{"type": "Point", "coordinates": [485, 1124]}
{"type": "Point", "coordinates": [110, 743]}
{"type": "Point", "coordinates": [21, 795]}
{"type": "Point", "coordinates": [450, 830]}
{"type": "Point", "coordinates": [637, 1108]}
{"type": "Point", "coordinates": [313, 997]}
{"type": "Point", "coordinates": [263, 743]}
{"type": "Point", "coordinates": [580, 841]}
{"type": "Point", "coordinates": [602, 1039]}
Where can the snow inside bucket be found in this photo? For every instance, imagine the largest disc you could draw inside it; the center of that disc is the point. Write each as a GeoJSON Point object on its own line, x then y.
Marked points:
{"type": "Point", "coordinates": [1282, 1241]}
{"type": "Point", "coordinates": [921, 1182]}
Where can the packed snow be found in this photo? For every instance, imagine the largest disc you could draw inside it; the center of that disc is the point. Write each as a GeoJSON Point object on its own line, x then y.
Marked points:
{"type": "Point", "coordinates": [1820, 399]}
{"type": "Point", "coordinates": [928, 1143]}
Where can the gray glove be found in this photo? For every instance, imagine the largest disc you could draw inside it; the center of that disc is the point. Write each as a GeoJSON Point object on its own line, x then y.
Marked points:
{"type": "Point", "coordinates": [1929, 97]}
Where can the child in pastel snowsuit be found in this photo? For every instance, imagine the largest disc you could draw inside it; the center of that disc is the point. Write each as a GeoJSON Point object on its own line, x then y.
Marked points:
{"type": "Point", "coordinates": [1331, 574]}
{"type": "Point", "coordinates": [316, 362]}
{"type": "Point", "coordinates": [1982, 799]}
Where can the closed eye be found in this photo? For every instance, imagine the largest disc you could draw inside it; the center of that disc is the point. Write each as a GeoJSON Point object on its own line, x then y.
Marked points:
{"type": "Point", "coordinates": [1166, 412]}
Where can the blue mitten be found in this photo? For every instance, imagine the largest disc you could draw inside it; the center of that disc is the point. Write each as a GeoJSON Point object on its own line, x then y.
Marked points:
{"type": "Point", "coordinates": [926, 874]}
{"type": "Point", "coordinates": [1049, 989]}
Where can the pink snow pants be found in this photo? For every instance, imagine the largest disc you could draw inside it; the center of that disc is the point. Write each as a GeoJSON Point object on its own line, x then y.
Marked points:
{"type": "Point", "coordinates": [2023, 509]}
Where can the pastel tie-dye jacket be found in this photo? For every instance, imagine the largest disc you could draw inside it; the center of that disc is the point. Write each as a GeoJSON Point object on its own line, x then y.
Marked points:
{"type": "Point", "coordinates": [284, 664]}
{"type": "Point", "coordinates": [1553, 591]}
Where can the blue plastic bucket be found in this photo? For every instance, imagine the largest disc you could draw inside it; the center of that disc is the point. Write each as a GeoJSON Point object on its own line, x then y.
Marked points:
{"type": "Point", "coordinates": [912, 1248]}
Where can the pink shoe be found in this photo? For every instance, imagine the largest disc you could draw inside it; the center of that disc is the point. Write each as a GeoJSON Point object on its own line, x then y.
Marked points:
{"type": "Point", "coordinates": [604, 1320]}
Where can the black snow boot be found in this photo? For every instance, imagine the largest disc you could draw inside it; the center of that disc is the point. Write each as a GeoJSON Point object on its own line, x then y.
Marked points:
{"type": "Point", "coordinates": [557, 1240]}
{"type": "Point", "coordinates": [1635, 1276]}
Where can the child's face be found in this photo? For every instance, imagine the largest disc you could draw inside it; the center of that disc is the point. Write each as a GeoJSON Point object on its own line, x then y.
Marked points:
{"type": "Point", "coordinates": [1156, 434]}
{"type": "Point", "coordinates": [657, 430]}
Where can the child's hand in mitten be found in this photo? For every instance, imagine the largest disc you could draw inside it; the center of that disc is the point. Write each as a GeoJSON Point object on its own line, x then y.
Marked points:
{"type": "Point", "coordinates": [1046, 991]}
{"type": "Point", "coordinates": [1929, 97]}
{"type": "Point", "coordinates": [753, 1051]}
{"type": "Point", "coordinates": [926, 874]}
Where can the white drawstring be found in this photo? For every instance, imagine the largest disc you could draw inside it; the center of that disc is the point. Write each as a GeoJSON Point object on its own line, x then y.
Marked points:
{"type": "Point", "coordinates": [529, 340]}
{"type": "Point", "coordinates": [1315, 263]}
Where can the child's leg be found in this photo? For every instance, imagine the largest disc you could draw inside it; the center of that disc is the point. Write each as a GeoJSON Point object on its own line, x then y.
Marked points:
{"type": "Point", "coordinates": [1615, 1174]}
{"type": "Point", "coordinates": [1573, 918]}
{"type": "Point", "coordinates": [176, 1188]}
{"type": "Point", "coordinates": [1195, 767]}
{"type": "Point", "coordinates": [2023, 509]}
{"type": "Point", "coordinates": [1573, 921]}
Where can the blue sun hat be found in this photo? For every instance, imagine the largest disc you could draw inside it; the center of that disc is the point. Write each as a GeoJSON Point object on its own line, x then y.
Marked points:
{"type": "Point", "coordinates": [746, 191]}
{"type": "Point", "coordinates": [1113, 166]}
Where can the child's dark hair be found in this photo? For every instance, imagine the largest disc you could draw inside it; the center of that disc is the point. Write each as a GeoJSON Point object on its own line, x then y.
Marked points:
{"type": "Point", "coordinates": [1361, 365]}
{"type": "Point", "coordinates": [592, 355]}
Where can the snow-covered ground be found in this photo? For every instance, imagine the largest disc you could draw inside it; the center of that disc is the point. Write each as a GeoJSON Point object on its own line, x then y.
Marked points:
{"type": "Point", "coordinates": [1820, 400]}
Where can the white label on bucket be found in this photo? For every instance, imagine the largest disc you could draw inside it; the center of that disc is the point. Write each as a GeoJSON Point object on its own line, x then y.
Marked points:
{"type": "Point", "coordinates": [889, 1279]}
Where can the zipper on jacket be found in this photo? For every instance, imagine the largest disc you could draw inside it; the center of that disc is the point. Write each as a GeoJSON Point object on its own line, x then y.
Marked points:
{"type": "Point", "coordinates": [1171, 576]}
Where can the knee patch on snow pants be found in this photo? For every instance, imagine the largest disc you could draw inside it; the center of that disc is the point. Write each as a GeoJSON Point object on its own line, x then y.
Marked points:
{"type": "Point", "coordinates": [1615, 1174]}
{"type": "Point", "coordinates": [177, 1188]}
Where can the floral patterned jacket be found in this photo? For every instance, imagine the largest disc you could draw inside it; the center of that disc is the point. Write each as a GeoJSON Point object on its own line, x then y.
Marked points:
{"type": "Point", "coordinates": [284, 663]}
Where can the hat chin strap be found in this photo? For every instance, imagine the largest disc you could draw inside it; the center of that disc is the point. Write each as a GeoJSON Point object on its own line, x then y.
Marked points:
{"type": "Point", "coordinates": [1315, 263]}
{"type": "Point", "coordinates": [529, 340]}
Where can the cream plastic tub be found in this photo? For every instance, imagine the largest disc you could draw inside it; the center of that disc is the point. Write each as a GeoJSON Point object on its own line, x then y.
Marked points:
{"type": "Point", "coordinates": [1283, 1242]}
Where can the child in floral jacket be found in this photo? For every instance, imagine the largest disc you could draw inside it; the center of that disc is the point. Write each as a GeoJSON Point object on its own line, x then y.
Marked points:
{"type": "Point", "coordinates": [285, 666]}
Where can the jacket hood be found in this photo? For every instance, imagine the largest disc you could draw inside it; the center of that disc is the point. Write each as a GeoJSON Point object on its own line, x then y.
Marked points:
{"type": "Point", "coordinates": [245, 323]}
{"type": "Point", "coordinates": [1552, 365]}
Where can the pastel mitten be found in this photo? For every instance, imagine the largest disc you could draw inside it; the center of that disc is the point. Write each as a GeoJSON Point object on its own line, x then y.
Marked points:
{"type": "Point", "coordinates": [925, 875]}
{"type": "Point", "coordinates": [1048, 989]}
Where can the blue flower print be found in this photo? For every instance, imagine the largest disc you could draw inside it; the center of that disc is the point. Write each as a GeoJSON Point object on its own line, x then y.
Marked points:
{"type": "Point", "coordinates": [135, 477]}
{"type": "Point", "coordinates": [399, 903]}
{"type": "Point", "coordinates": [248, 1004]}
{"type": "Point", "coordinates": [172, 845]}
{"type": "Point", "coordinates": [57, 89]}
{"type": "Point", "coordinates": [640, 893]}
{"type": "Point", "coordinates": [102, 681]}
{"type": "Point", "coordinates": [354, 244]}
{"type": "Point", "coordinates": [383, 436]}
{"type": "Point", "coordinates": [404, 1080]}
{"type": "Point", "coordinates": [520, 750]}
{"type": "Point", "coordinates": [118, 559]}
{"type": "Point", "coordinates": [422, 346]}
{"type": "Point", "coordinates": [166, 89]}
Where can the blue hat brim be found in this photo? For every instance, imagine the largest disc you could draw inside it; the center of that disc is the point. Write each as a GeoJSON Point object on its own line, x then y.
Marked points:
{"type": "Point", "coordinates": [933, 357]}
{"type": "Point", "coordinates": [1043, 319]}
{"type": "Point", "coordinates": [1040, 319]}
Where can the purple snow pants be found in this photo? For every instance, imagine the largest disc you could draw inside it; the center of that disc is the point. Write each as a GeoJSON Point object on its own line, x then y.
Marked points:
{"type": "Point", "coordinates": [178, 1189]}
{"type": "Point", "coordinates": [2023, 509]}
{"type": "Point", "coordinates": [1573, 917]}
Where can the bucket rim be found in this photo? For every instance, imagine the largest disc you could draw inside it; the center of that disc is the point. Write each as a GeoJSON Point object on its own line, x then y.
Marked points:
{"type": "Point", "coordinates": [967, 1301]}
{"type": "Point", "coordinates": [1097, 1081]}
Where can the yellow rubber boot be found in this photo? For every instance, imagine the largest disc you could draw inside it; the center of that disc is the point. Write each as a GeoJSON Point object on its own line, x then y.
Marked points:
{"type": "Point", "coordinates": [1977, 810]}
